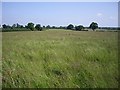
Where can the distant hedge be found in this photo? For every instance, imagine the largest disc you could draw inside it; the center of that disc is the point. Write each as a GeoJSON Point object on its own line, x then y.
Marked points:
{"type": "Point", "coordinates": [15, 29]}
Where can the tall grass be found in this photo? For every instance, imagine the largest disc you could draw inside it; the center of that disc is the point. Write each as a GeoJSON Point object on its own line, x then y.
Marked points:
{"type": "Point", "coordinates": [60, 59]}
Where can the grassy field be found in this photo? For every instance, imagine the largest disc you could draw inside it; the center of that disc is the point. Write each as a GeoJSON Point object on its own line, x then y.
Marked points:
{"type": "Point", "coordinates": [59, 59]}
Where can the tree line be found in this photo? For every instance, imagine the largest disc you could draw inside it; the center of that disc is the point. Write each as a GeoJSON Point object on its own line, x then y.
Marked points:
{"type": "Point", "coordinates": [93, 26]}
{"type": "Point", "coordinates": [31, 26]}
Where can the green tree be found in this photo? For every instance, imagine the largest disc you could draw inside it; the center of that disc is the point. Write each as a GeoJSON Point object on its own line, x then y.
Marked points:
{"type": "Point", "coordinates": [18, 25]}
{"type": "Point", "coordinates": [93, 26]}
{"type": "Point", "coordinates": [30, 26]}
{"type": "Point", "coordinates": [38, 27]}
{"type": "Point", "coordinates": [21, 26]}
{"type": "Point", "coordinates": [14, 26]}
{"type": "Point", "coordinates": [43, 26]}
{"type": "Point", "coordinates": [26, 26]}
{"type": "Point", "coordinates": [79, 28]}
{"type": "Point", "coordinates": [70, 26]}
{"type": "Point", "coordinates": [4, 26]}
{"type": "Point", "coordinates": [53, 27]}
{"type": "Point", "coordinates": [48, 26]}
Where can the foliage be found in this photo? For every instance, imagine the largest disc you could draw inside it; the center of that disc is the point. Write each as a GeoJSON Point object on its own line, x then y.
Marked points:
{"type": "Point", "coordinates": [53, 27]}
{"type": "Point", "coordinates": [43, 26]}
{"type": "Point", "coordinates": [79, 28]}
{"type": "Point", "coordinates": [26, 27]}
{"type": "Point", "coordinates": [30, 26]}
{"type": "Point", "coordinates": [14, 25]}
{"type": "Point", "coordinates": [38, 27]}
{"type": "Point", "coordinates": [70, 26]}
{"type": "Point", "coordinates": [6, 26]}
{"type": "Point", "coordinates": [48, 26]}
{"type": "Point", "coordinates": [17, 26]}
{"type": "Point", "coordinates": [93, 26]}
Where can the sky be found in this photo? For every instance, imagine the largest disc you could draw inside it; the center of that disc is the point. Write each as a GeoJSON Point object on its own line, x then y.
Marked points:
{"type": "Point", "coordinates": [61, 13]}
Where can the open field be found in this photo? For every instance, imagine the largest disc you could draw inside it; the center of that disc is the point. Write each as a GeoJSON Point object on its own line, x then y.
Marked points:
{"type": "Point", "coordinates": [59, 58]}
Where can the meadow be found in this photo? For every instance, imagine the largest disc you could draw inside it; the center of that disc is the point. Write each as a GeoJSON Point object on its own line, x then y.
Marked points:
{"type": "Point", "coordinates": [59, 59]}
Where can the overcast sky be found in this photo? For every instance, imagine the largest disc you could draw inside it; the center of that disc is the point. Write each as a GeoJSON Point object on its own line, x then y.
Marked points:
{"type": "Point", "coordinates": [60, 13]}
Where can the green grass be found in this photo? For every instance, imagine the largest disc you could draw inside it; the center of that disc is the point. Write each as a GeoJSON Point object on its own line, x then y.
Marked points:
{"type": "Point", "coordinates": [59, 59]}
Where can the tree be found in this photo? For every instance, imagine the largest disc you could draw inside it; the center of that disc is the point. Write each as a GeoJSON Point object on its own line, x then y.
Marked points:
{"type": "Point", "coordinates": [61, 27]}
{"type": "Point", "coordinates": [30, 26]}
{"type": "Point", "coordinates": [26, 27]}
{"type": "Point", "coordinates": [38, 27]}
{"type": "Point", "coordinates": [4, 26]}
{"type": "Point", "coordinates": [43, 26]}
{"type": "Point", "coordinates": [8, 26]}
{"type": "Point", "coordinates": [18, 26]}
{"type": "Point", "coordinates": [70, 26]}
{"type": "Point", "coordinates": [48, 26]}
{"type": "Point", "coordinates": [21, 26]}
{"type": "Point", "coordinates": [14, 25]}
{"type": "Point", "coordinates": [53, 27]}
{"type": "Point", "coordinates": [79, 28]}
{"type": "Point", "coordinates": [93, 26]}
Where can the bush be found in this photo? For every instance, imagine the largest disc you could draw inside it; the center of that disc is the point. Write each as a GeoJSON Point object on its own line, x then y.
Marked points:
{"type": "Point", "coordinates": [38, 27]}
{"type": "Point", "coordinates": [79, 28]}
{"type": "Point", "coordinates": [70, 26]}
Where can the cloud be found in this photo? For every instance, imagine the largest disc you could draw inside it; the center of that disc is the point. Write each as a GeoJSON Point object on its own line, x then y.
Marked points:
{"type": "Point", "coordinates": [112, 18]}
{"type": "Point", "coordinates": [99, 14]}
